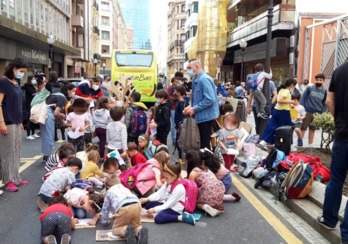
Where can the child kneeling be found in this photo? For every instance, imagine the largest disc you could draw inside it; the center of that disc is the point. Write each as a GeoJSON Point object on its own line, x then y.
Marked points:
{"type": "Point", "coordinates": [166, 203]}
{"type": "Point", "coordinates": [127, 211]}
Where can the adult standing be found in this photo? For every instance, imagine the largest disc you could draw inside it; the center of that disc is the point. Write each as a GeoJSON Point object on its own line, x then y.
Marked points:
{"type": "Point", "coordinates": [59, 99]}
{"type": "Point", "coordinates": [90, 90]}
{"type": "Point", "coordinates": [304, 85]}
{"type": "Point", "coordinates": [11, 124]}
{"type": "Point", "coordinates": [205, 104]}
{"type": "Point", "coordinates": [106, 85]}
{"type": "Point", "coordinates": [53, 85]}
{"type": "Point", "coordinates": [313, 100]}
{"type": "Point", "coordinates": [30, 88]}
{"type": "Point", "coordinates": [160, 83]}
{"type": "Point", "coordinates": [172, 97]}
{"type": "Point", "coordinates": [337, 103]}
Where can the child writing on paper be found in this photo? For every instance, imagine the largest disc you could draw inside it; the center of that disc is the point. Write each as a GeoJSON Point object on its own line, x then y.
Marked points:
{"type": "Point", "coordinates": [77, 123]}
{"type": "Point", "coordinates": [229, 138]}
{"type": "Point", "coordinates": [91, 171]}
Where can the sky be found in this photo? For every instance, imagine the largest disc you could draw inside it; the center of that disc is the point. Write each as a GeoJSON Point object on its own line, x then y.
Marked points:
{"type": "Point", "coordinates": [159, 9]}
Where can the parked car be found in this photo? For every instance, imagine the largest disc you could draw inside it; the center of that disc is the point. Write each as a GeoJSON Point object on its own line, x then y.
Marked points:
{"type": "Point", "coordinates": [75, 81]}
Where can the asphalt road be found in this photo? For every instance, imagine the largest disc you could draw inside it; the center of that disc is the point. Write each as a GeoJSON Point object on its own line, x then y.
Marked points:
{"type": "Point", "coordinates": [19, 217]}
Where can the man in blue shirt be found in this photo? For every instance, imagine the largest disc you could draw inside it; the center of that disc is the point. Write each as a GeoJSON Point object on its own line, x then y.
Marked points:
{"type": "Point", "coordinates": [204, 105]}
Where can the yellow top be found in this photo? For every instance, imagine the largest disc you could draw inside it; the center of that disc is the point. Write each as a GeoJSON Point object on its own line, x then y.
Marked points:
{"type": "Point", "coordinates": [90, 169]}
{"type": "Point", "coordinates": [285, 94]}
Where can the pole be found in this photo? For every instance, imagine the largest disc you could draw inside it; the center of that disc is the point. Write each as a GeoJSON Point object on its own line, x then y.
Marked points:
{"type": "Point", "coordinates": [51, 58]}
{"type": "Point", "coordinates": [95, 70]}
{"type": "Point", "coordinates": [266, 89]}
{"type": "Point", "coordinates": [242, 66]}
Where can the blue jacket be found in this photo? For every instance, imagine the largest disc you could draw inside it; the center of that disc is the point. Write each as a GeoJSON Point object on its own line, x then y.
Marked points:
{"type": "Point", "coordinates": [204, 98]}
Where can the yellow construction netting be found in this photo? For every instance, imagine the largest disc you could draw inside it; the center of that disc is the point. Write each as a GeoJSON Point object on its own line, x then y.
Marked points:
{"type": "Point", "coordinates": [209, 44]}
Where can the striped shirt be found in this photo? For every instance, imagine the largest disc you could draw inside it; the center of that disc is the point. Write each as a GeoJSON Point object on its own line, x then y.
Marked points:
{"type": "Point", "coordinates": [52, 162]}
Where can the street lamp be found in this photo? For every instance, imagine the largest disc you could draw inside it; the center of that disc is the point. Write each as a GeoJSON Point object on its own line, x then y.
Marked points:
{"type": "Point", "coordinates": [104, 65]}
{"type": "Point", "coordinates": [242, 44]}
{"type": "Point", "coordinates": [51, 40]}
{"type": "Point", "coordinates": [95, 61]}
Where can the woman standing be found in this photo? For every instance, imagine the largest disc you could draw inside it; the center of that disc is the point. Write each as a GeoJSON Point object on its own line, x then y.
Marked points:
{"type": "Point", "coordinates": [11, 124]}
{"type": "Point", "coordinates": [30, 89]}
{"type": "Point", "coordinates": [47, 130]}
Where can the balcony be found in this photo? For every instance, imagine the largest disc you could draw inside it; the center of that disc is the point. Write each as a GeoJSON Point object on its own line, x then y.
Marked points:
{"type": "Point", "coordinates": [96, 30]}
{"type": "Point", "coordinates": [283, 19]}
{"type": "Point", "coordinates": [95, 5]}
{"type": "Point", "coordinates": [77, 21]}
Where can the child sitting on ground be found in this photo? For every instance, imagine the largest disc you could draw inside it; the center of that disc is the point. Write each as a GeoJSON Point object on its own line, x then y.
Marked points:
{"type": "Point", "coordinates": [84, 154]}
{"type": "Point", "coordinates": [54, 159]}
{"type": "Point", "coordinates": [229, 138]}
{"type": "Point", "coordinates": [64, 156]}
{"type": "Point", "coordinates": [220, 172]}
{"type": "Point", "coordinates": [167, 204]}
{"type": "Point", "coordinates": [91, 171]}
{"type": "Point", "coordinates": [300, 117]}
{"type": "Point", "coordinates": [77, 122]}
{"type": "Point", "coordinates": [60, 180]}
{"type": "Point", "coordinates": [57, 221]}
{"type": "Point", "coordinates": [150, 147]}
{"type": "Point", "coordinates": [116, 132]}
{"type": "Point", "coordinates": [126, 209]}
{"type": "Point", "coordinates": [83, 201]}
{"type": "Point", "coordinates": [120, 162]}
{"type": "Point", "coordinates": [211, 191]}
{"type": "Point", "coordinates": [135, 156]}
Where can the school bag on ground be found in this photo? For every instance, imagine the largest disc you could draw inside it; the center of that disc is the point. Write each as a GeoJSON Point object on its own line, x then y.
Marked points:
{"type": "Point", "coordinates": [189, 138]}
{"type": "Point", "coordinates": [298, 182]}
{"type": "Point", "coordinates": [245, 168]}
{"type": "Point", "coordinates": [191, 194]}
{"type": "Point", "coordinates": [82, 184]}
{"type": "Point", "coordinates": [251, 81]}
{"type": "Point", "coordinates": [138, 121]}
{"type": "Point", "coordinates": [129, 177]}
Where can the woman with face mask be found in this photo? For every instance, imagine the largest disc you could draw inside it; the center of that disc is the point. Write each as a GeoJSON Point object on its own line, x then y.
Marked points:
{"type": "Point", "coordinates": [31, 90]}
{"type": "Point", "coordinates": [90, 90]}
{"type": "Point", "coordinates": [11, 127]}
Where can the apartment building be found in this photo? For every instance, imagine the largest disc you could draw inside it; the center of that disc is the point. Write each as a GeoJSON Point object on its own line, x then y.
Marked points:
{"type": "Point", "coordinates": [176, 35]}
{"type": "Point", "coordinates": [24, 30]}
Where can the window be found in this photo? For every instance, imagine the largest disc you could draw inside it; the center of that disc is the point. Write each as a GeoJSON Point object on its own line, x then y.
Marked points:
{"type": "Point", "coordinates": [105, 20]}
{"type": "Point", "coordinates": [105, 35]}
{"type": "Point", "coordinates": [194, 30]}
{"type": "Point", "coordinates": [183, 23]}
{"type": "Point", "coordinates": [183, 37]}
{"type": "Point", "coordinates": [182, 50]}
{"type": "Point", "coordinates": [105, 6]}
{"type": "Point", "coordinates": [19, 6]}
{"type": "Point", "coordinates": [194, 7]}
{"type": "Point", "coordinates": [137, 59]}
{"type": "Point", "coordinates": [3, 6]}
{"type": "Point", "coordinates": [183, 8]}
{"type": "Point", "coordinates": [80, 40]}
{"type": "Point", "coordinates": [12, 10]}
{"type": "Point", "coordinates": [188, 35]}
{"type": "Point", "coordinates": [178, 24]}
{"type": "Point", "coordinates": [105, 49]}
{"type": "Point", "coordinates": [188, 12]}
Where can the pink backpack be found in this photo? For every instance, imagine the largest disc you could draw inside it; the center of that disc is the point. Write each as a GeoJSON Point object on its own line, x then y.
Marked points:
{"type": "Point", "coordinates": [129, 177]}
{"type": "Point", "coordinates": [191, 194]}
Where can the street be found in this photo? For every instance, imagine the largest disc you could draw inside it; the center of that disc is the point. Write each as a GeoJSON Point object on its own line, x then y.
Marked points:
{"type": "Point", "coordinates": [241, 222]}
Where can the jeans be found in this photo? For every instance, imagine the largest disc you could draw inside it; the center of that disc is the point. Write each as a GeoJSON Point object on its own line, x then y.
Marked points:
{"type": "Point", "coordinates": [279, 118]}
{"type": "Point", "coordinates": [172, 126]}
{"type": "Point", "coordinates": [47, 133]}
{"type": "Point", "coordinates": [333, 192]}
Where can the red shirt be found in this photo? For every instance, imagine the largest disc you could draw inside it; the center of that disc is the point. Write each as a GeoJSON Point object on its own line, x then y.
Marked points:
{"type": "Point", "coordinates": [83, 90]}
{"type": "Point", "coordinates": [138, 159]}
{"type": "Point", "coordinates": [58, 207]}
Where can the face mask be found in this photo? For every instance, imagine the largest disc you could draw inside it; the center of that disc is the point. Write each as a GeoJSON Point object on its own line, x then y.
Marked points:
{"type": "Point", "coordinates": [158, 100]}
{"type": "Point", "coordinates": [19, 75]}
{"type": "Point", "coordinates": [180, 83]}
{"type": "Point", "coordinates": [72, 95]}
{"type": "Point", "coordinates": [95, 87]}
{"type": "Point", "coordinates": [318, 85]}
{"type": "Point", "coordinates": [191, 73]}
{"type": "Point", "coordinates": [33, 82]}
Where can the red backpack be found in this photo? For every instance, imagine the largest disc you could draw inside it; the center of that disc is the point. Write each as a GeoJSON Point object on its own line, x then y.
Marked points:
{"type": "Point", "coordinates": [191, 194]}
{"type": "Point", "coordinates": [129, 177]}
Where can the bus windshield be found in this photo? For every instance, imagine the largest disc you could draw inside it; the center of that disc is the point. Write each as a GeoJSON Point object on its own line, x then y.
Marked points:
{"type": "Point", "coordinates": [134, 59]}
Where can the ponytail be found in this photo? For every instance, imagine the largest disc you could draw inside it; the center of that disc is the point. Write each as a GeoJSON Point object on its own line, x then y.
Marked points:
{"type": "Point", "coordinates": [288, 82]}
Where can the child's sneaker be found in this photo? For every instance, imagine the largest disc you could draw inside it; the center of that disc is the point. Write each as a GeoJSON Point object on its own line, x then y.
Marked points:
{"type": "Point", "coordinates": [181, 161]}
{"type": "Point", "coordinates": [143, 236]}
{"type": "Point", "coordinates": [23, 183]}
{"type": "Point", "coordinates": [299, 142]}
{"type": "Point", "coordinates": [321, 221]}
{"type": "Point", "coordinates": [188, 218]}
{"type": "Point", "coordinates": [263, 115]}
{"type": "Point", "coordinates": [1, 192]}
{"type": "Point", "coordinates": [211, 211]}
{"type": "Point", "coordinates": [51, 239]}
{"type": "Point", "coordinates": [130, 235]}
{"type": "Point", "coordinates": [10, 186]}
{"type": "Point", "coordinates": [65, 239]}
{"type": "Point", "coordinates": [236, 196]}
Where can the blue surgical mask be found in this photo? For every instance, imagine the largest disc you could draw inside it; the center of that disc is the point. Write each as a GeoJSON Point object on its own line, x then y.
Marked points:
{"type": "Point", "coordinates": [19, 75]}
{"type": "Point", "coordinates": [191, 73]}
{"type": "Point", "coordinates": [33, 82]}
{"type": "Point", "coordinates": [72, 95]}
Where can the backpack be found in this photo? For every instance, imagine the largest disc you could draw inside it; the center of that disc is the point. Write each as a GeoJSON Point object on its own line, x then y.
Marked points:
{"type": "Point", "coordinates": [245, 168]}
{"type": "Point", "coordinates": [298, 182]}
{"type": "Point", "coordinates": [269, 160]}
{"type": "Point", "coordinates": [189, 138]}
{"type": "Point", "coordinates": [82, 184]}
{"type": "Point", "coordinates": [251, 81]}
{"type": "Point", "coordinates": [191, 194]}
{"type": "Point", "coordinates": [129, 177]}
{"type": "Point", "coordinates": [138, 121]}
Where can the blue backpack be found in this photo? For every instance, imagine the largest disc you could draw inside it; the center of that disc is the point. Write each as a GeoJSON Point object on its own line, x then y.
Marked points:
{"type": "Point", "coordinates": [139, 121]}
{"type": "Point", "coordinates": [251, 81]}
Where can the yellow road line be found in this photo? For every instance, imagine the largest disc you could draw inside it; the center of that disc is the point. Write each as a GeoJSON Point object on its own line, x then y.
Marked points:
{"type": "Point", "coordinates": [277, 225]}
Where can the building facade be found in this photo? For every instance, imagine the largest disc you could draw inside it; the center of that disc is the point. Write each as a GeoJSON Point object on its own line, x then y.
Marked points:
{"type": "Point", "coordinates": [192, 7]}
{"type": "Point", "coordinates": [176, 35]}
{"type": "Point", "coordinates": [113, 33]}
{"type": "Point", "coordinates": [24, 30]}
{"type": "Point", "coordinates": [137, 17]}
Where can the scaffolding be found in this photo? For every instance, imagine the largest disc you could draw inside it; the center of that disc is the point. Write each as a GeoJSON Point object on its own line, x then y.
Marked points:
{"type": "Point", "coordinates": [209, 44]}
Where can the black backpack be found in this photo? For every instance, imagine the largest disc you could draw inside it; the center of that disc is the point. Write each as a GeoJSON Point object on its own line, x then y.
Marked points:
{"type": "Point", "coordinates": [269, 160]}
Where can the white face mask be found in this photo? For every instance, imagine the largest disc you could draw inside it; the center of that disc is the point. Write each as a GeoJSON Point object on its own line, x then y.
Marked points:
{"type": "Point", "coordinates": [33, 82]}
{"type": "Point", "coordinates": [95, 87]}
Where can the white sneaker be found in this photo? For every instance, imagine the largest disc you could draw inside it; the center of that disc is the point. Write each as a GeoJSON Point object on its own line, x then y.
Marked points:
{"type": "Point", "coordinates": [36, 136]}
{"type": "Point", "coordinates": [1, 192]}
{"type": "Point", "coordinates": [30, 137]}
{"type": "Point", "coordinates": [211, 211]}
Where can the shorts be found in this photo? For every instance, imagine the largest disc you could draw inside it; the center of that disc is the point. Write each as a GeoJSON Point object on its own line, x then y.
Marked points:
{"type": "Point", "coordinates": [307, 122]}
{"type": "Point", "coordinates": [298, 125]}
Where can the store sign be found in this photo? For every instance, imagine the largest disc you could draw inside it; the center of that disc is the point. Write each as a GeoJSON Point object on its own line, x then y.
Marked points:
{"type": "Point", "coordinates": [32, 55]}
